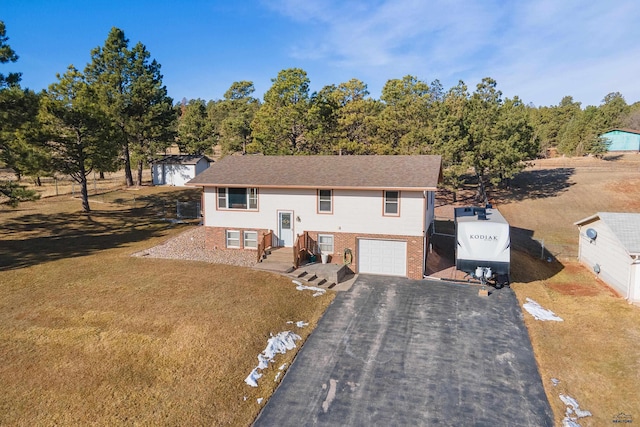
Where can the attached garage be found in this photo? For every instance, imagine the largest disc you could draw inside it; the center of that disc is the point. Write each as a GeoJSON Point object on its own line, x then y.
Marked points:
{"type": "Point", "coordinates": [609, 244]}
{"type": "Point", "coordinates": [387, 257]}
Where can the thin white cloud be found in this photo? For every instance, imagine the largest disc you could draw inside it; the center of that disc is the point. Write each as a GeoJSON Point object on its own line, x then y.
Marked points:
{"type": "Point", "coordinates": [538, 49]}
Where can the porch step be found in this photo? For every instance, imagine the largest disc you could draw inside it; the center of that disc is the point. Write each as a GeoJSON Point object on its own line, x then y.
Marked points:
{"type": "Point", "coordinates": [313, 280]}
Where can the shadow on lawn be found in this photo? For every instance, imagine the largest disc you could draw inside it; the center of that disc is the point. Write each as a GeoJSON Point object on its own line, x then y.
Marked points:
{"type": "Point", "coordinates": [530, 259]}
{"type": "Point", "coordinates": [535, 184]}
{"type": "Point", "coordinates": [49, 237]}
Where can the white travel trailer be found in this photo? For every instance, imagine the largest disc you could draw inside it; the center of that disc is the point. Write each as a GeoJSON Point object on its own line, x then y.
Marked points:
{"type": "Point", "coordinates": [483, 244]}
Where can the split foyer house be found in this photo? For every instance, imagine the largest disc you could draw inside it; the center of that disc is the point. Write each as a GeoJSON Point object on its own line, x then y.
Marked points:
{"type": "Point", "coordinates": [371, 212]}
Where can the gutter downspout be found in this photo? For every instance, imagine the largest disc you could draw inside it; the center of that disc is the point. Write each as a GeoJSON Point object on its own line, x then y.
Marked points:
{"type": "Point", "coordinates": [425, 205]}
{"type": "Point", "coordinates": [634, 261]}
{"type": "Point", "coordinates": [579, 242]}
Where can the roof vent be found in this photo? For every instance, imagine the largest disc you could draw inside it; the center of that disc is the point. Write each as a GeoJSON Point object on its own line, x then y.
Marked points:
{"type": "Point", "coordinates": [591, 234]}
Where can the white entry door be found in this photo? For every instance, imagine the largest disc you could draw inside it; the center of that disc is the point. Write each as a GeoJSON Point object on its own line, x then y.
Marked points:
{"type": "Point", "coordinates": [285, 229]}
{"type": "Point", "coordinates": [388, 257]}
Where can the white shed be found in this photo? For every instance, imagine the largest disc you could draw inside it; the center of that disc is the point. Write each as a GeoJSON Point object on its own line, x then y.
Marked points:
{"type": "Point", "coordinates": [609, 244]}
{"type": "Point", "coordinates": [177, 169]}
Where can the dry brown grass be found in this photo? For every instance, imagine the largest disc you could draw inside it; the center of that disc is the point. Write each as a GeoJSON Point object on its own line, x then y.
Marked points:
{"type": "Point", "coordinates": [594, 352]}
{"type": "Point", "coordinates": [63, 185]}
{"type": "Point", "coordinates": [91, 335]}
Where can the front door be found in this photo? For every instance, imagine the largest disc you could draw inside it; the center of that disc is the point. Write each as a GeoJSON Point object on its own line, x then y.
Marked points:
{"type": "Point", "coordinates": [285, 229]}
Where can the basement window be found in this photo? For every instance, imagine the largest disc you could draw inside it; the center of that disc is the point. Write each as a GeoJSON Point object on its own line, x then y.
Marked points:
{"type": "Point", "coordinates": [325, 243]}
{"type": "Point", "coordinates": [233, 239]}
{"type": "Point", "coordinates": [251, 240]}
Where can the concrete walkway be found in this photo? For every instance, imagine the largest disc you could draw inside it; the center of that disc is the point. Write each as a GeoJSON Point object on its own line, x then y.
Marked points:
{"type": "Point", "coordinates": [398, 352]}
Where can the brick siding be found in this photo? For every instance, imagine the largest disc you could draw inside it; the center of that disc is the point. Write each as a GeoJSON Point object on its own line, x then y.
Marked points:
{"type": "Point", "coordinates": [216, 239]}
{"type": "Point", "coordinates": [342, 241]}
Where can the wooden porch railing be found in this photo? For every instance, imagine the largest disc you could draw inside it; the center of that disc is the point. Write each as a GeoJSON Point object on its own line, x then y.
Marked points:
{"type": "Point", "coordinates": [265, 243]}
{"type": "Point", "coordinates": [300, 248]}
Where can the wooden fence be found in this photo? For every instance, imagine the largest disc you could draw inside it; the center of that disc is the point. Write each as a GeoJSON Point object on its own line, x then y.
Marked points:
{"type": "Point", "coordinates": [300, 249]}
{"type": "Point", "coordinates": [265, 243]}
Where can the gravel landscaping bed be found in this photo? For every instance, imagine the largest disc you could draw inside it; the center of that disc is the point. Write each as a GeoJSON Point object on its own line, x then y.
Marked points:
{"type": "Point", "coordinates": [189, 246]}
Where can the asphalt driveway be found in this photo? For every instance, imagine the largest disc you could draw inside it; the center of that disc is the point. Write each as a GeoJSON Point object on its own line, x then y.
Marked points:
{"type": "Point", "coordinates": [398, 352]}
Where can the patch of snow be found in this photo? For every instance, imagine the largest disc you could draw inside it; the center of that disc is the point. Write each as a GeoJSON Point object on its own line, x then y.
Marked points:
{"type": "Point", "coordinates": [277, 377]}
{"type": "Point", "coordinates": [279, 344]}
{"type": "Point", "coordinates": [573, 412]}
{"type": "Point", "coordinates": [555, 381]}
{"type": "Point", "coordinates": [172, 220]}
{"type": "Point", "coordinates": [260, 399]}
{"type": "Point", "coordinates": [301, 287]}
{"type": "Point", "coordinates": [540, 313]}
{"type": "Point", "coordinates": [299, 323]}
{"type": "Point", "coordinates": [253, 377]}
{"type": "Point", "coordinates": [284, 365]}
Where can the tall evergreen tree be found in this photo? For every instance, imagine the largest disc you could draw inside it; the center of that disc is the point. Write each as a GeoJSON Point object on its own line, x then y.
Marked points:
{"type": "Point", "coordinates": [7, 55]}
{"type": "Point", "coordinates": [357, 118]}
{"type": "Point", "coordinates": [404, 123]}
{"type": "Point", "coordinates": [279, 125]}
{"type": "Point", "coordinates": [18, 109]}
{"type": "Point", "coordinates": [450, 136]}
{"type": "Point", "coordinates": [195, 131]}
{"type": "Point", "coordinates": [238, 109]}
{"type": "Point", "coordinates": [500, 136]}
{"type": "Point", "coordinates": [150, 113]}
{"type": "Point", "coordinates": [132, 95]}
{"type": "Point", "coordinates": [74, 129]}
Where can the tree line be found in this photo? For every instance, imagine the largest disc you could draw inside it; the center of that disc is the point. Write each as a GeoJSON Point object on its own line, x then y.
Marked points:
{"type": "Point", "coordinates": [116, 114]}
{"type": "Point", "coordinates": [477, 132]}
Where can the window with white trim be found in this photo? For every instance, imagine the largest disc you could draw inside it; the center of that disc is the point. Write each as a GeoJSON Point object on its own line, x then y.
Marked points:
{"type": "Point", "coordinates": [392, 203]}
{"type": "Point", "coordinates": [222, 198]}
{"type": "Point", "coordinates": [233, 239]}
{"type": "Point", "coordinates": [251, 239]}
{"type": "Point", "coordinates": [238, 198]}
{"type": "Point", "coordinates": [325, 243]}
{"type": "Point", "coordinates": [325, 204]}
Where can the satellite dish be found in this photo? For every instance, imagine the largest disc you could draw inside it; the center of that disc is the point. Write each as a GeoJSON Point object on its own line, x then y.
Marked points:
{"type": "Point", "coordinates": [591, 233]}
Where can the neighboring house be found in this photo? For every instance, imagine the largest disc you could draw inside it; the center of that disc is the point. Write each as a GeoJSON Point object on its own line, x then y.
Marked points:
{"type": "Point", "coordinates": [372, 211]}
{"type": "Point", "coordinates": [609, 244]}
{"type": "Point", "coordinates": [177, 169]}
{"type": "Point", "coordinates": [623, 140]}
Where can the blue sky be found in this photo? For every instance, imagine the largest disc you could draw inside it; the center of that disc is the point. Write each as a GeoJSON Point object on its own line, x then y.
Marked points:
{"type": "Point", "coordinates": [540, 50]}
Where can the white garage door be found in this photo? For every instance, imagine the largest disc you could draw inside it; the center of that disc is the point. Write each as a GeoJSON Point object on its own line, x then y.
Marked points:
{"type": "Point", "coordinates": [388, 257]}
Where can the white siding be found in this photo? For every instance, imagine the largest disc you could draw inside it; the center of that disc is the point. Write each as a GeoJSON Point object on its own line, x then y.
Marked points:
{"type": "Point", "coordinates": [607, 252]}
{"type": "Point", "coordinates": [173, 174]}
{"type": "Point", "coordinates": [202, 165]}
{"type": "Point", "coordinates": [156, 174]}
{"type": "Point", "coordinates": [635, 280]}
{"type": "Point", "coordinates": [354, 211]}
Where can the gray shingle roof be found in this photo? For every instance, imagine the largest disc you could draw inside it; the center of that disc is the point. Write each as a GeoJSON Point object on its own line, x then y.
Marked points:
{"type": "Point", "coordinates": [335, 172]}
{"type": "Point", "coordinates": [182, 159]}
{"type": "Point", "coordinates": [625, 226]}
